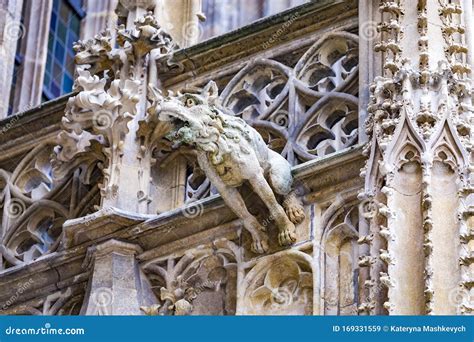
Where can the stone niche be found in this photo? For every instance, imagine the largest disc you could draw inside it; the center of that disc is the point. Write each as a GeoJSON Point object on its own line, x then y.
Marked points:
{"type": "Point", "coordinates": [339, 262]}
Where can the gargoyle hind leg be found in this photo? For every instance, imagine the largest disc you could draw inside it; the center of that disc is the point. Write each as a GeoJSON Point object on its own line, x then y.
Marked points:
{"type": "Point", "coordinates": [281, 181]}
{"type": "Point", "coordinates": [287, 234]}
{"type": "Point", "coordinates": [235, 202]}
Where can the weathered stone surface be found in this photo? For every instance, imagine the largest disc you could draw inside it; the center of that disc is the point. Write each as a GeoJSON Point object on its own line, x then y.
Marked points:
{"type": "Point", "coordinates": [117, 286]}
{"type": "Point", "coordinates": [168, 161]}
{"type": "Point", "coordinates": [420, 139]}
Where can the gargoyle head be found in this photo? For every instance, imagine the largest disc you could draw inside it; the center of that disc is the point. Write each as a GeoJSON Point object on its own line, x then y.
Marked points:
{"type": "Point", "coordinates": [193, 117]}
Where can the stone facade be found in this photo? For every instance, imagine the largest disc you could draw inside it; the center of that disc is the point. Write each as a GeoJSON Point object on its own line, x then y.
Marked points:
{"type": "Point", "coordinates": [315, 162]}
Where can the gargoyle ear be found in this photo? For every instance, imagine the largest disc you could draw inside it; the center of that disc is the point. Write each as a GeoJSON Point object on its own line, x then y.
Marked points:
{"type": "Point", "coordinates": [210, 92]}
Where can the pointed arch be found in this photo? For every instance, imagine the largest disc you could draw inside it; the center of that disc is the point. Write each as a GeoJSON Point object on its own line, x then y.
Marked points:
{"type": "Point", "coordinates": [447, 136]}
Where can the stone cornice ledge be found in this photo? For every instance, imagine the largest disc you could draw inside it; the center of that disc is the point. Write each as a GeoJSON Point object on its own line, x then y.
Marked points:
{"type": "Point", "coordinates": [21, 132]}
{"type": "Point", "coordinates": [104, 222]}
{"type": "Point", "coordinates": [312, 168]}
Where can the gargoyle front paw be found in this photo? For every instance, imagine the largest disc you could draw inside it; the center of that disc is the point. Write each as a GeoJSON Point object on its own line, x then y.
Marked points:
{"type": "Point", "coordinates": [287, 236]}
{"type": "Point", "coordinates": [293, 208]}
{"type": "Point", "coordinates": [295, 213]}
{"type": "Point", "coordinates": [260, 245]}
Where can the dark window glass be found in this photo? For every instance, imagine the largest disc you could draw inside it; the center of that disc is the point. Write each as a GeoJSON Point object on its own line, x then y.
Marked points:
{"type": "Point", "coordinates": [55, 89]}
{"type": "Point", "coordinates": [57, 72]}
{"type": "Point", "coordinates": [75, 23]}
{"type": "Point", "coordinates": [59, 52]}
{"type": "Point", "coordinates": [18, 61]}
{"type": "Point", "coordinates": [49, 62]}
{"type": "Point", "coordinates": [53, 21]}
{"type": "Point", "coordinates": [71, 38]}
{"type": "Point", "coordinates": [47, 78]}
{"type": "Point", "coordinates": [67, 81]}
{"type": "Point", "coordinates": [64, 31]}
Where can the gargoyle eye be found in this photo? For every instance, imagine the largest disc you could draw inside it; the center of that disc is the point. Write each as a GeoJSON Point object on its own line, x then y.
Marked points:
{"type": "Point", "coordinates": [190, 102]}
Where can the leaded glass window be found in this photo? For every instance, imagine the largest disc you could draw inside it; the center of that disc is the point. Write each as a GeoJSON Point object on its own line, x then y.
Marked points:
{"type": "Point", "coordinates": [64, 31]}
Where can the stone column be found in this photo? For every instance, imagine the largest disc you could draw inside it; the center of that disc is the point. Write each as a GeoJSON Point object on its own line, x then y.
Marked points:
{"type": "Point", "coordinates": [180, 18]}
{"type": "Point", "coordinates": [100, 15]}
{"type": "Point", "coordinates": [29, 87]}
{"type": "Point", "coordinates": [221, 16]}
{"type": "Point", "coordinates": [273, 7]}
{"type": "Point", "coordinates": [369, 66]}
{"type": "Point", "coordinates": [11, 31]}
{"type": "Point", "coordinates": [117, 285]}
{"type": "Point", "coordinates": [369, 61]}
{"type": "Point", "coordinates": [468, 18]}
{"type": "Point", "coordinates": [417, 174]}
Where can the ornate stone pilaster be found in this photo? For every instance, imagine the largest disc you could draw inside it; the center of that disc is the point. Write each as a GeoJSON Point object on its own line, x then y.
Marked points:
{"type": "Point", "coordinates": [368, 67]}
{"type": "Point", "coordinates": [418, 168]}
{"type": "Point", "coordinates": [117, 286]}
{"type": "Point", "coordinates": [10, 31]}
{"type": "Point", "coordinates": [101, 122]}
{"type": "Point", "coordinates": [30, 77]}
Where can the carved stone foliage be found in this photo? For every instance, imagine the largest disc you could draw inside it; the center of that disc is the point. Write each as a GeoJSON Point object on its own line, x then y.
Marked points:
{"type": "Point", "coordinates": [59, 303]}
{"type": "Point", "coordinates": [307, 111]}
{"type": "Point", "coordinates": [453, 29]}
{"type": "Point", "coordinates": [34, 206]}
{"type": "Point", "coordinates": [200, 282]}
{"type": "Point", "coordinates": [109, 83]}
{"type": "Point", "coordinates": [108, 113]}
{"type": "Point", "coordinates": [280, 284]}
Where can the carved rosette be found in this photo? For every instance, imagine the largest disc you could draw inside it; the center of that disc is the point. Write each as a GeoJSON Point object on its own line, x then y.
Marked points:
{"type": "Point", "coordinates": [420, 139]}
{"type": "Point", "coordinates": [280, 284]}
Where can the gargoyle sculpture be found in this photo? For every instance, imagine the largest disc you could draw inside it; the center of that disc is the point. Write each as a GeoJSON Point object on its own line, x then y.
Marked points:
{"type": "Point", "coordinates": [230, 153]}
